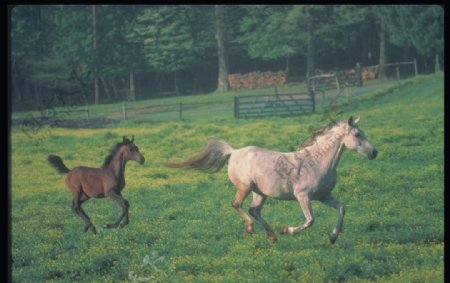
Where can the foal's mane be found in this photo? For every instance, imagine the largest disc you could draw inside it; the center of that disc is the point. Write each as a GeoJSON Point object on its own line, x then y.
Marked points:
{"type": "Point", "coordinates": [316, 134]}
{"type": "Point", "coordinates": [113, 152]}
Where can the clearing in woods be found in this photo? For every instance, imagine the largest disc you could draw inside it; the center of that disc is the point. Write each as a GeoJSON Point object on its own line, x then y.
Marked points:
{"type": "Point", "coordinates": [183, 229]}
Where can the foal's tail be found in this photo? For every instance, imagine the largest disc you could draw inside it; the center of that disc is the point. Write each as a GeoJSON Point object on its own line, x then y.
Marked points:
{"type": "Point", "coordinates": [213, 157]}
{"type": "Point", "coordinates": [57, 162]}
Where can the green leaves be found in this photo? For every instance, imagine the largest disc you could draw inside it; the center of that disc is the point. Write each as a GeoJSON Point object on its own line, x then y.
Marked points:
{"type": "Point", "coordinates": [414, 25]}
{"type": "Point", "coordinates": [167, 36]}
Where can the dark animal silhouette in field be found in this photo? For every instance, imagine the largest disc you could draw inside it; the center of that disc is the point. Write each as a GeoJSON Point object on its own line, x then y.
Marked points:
{"type": "Point", "coordinates": [106, 181]}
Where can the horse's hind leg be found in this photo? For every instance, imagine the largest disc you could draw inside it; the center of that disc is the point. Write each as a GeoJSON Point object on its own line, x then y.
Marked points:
{"type": "Point", "coordinates": [241, 193]}
{"type": "Point", "coordinates": [255, 211]}
{"type": "Point", "coordinates": [124, 205]}
{"type": "Point", "coordinates": [76, 207]}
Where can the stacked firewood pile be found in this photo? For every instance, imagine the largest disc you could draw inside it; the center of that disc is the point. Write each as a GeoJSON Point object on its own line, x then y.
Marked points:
{"type": "Point", "coordinates": [347, 77]}
{"type": "Point", "coordinates": [256, 80]}
{"type": "Point", "coordinates": [369, 73]}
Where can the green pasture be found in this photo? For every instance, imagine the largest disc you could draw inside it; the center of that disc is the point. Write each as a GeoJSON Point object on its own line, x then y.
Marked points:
{"type": "Point", "coordinates": [183, 228]}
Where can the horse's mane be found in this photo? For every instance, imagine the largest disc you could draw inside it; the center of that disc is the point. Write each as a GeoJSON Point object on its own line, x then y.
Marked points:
{"type": "Point", "coordinates": [317, 133]}
{"type": "Point", "coordinates": [113, 153]}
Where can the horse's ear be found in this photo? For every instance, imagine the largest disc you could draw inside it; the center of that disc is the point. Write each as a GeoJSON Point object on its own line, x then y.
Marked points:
{"type": "Point", "coordinates": [350, 121]}
{"type": "Point", "coordinates": [125, 139]}
{"type": "Point", "coordinates": [132, 139]}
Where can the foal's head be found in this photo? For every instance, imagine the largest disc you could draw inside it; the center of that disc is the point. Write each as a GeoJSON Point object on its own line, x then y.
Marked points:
{"type": "Point", "coordinates": [131, 151]}
{"type": "Point", "coordinates": [127, 149]}
{"type": "Point", "coordinates": [355, 139]}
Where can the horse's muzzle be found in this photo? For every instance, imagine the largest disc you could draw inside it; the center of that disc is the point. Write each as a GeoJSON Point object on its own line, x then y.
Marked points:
{"type": "Point", "coordinates": [142, 160]}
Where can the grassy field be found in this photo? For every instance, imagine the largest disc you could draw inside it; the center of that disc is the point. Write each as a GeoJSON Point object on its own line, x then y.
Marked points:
{"type": "Point", "coordinates": [183, 228]}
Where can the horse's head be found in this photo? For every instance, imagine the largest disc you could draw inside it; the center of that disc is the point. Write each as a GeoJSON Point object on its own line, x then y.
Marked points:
{"type": "Point", "coordinates": [131, 151]}
{"type": "Point", "coordinates": [355, 139]}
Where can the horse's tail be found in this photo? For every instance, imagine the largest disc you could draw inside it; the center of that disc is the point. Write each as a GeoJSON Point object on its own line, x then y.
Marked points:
{"type": "Point", "coordinates": [57, 162]}
{"type": "Point", "coordinates": [211, 159]}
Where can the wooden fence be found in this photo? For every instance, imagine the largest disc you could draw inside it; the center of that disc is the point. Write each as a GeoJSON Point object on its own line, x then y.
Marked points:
{"type": "Point", "coordinates": [273, 105]}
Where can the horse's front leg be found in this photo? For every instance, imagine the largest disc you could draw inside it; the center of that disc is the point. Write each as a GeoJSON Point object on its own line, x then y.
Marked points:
{"type": "Point", "coordinates": [330, 201]}
{"type": "Point", "coordinates": [124, 205]}
{"type": "Point", "coordinates": [305, 204]}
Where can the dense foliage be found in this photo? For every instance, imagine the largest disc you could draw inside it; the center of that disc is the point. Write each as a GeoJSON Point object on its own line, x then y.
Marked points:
{"type": "Point", "coordinates": [140, 51]}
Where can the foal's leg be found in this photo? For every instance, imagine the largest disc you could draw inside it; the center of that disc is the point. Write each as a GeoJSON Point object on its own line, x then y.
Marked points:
{"type": "Point", "coordinates": [330, 201]}
{"type": "Point", "coordinates": [305, 204]}
{"type": "Point", "coordinates": [78, 199]}
{"type": "Point", "coordinates": [124, 205]}
{"type": "Point", "coordinates": [255, 211]}
{"type": "Point", "coordinates": [241, 193]}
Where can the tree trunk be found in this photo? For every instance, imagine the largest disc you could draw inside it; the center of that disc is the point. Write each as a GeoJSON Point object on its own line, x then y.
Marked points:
{"type": "Point", "coordinates": [132, 91]}
{"type": "Point", "coordinates": [288, 65]}
{"type": "Point", "coordinates": [94, 39]}
{"type": "Point", "coordinates": [437, 66]}
{"type": "Point", "coordinates": [37, 97]}
{"type": "Point", "coordinates": [383, 53]}
{"type": "Point", "coordinates": [219, 21]}
{"type": "Point", "coordinates": [105, 86]}
{"type": "Point", "coordinates": [176, 83]}
{"type": "Point", "coordinates": [114, 89]}
{"type": "Point", "coordinates": [310, 63]}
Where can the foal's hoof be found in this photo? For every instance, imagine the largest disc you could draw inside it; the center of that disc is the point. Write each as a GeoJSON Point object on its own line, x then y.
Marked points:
{"type": "Point", "coordinates": [284, 230]}
{"type": "Point", "coordinates": [107, 226]}
{"type": "Point", "coordinates": [123, 224]}
{"type": "Point", "coordinates": [333, 238]}
{"type": "Point", "coordinates": [91, 228]}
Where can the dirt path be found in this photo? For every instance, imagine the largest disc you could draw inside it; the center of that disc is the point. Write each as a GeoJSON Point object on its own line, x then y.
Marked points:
{"type": "Point", "coordinates": [331, 95]}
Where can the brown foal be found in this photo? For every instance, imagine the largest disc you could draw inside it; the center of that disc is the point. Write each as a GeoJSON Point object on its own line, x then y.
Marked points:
{"type": "Point", "coordinates": [106, 181]}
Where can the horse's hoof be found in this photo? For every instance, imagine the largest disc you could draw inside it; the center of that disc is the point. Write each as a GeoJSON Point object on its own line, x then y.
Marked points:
{"type": "Point", "coordinates": [284, 230]}
{"type": "Point", "coordinates": [123, 224]}
{"type": "Point", "coordinates": [249, 230]}
{"type": "Point", "coordinates": [108, 226]}
{"type": "Point", "coordinates": [333, 238]}
{"type": "Point", "coordinates": [90, 228]}
{"type": "Point", "coordinates": [272, 238]}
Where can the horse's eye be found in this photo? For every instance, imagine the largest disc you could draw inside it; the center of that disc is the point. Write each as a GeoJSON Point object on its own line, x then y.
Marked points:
{"type": "Point", "coordinates": [358, 134]}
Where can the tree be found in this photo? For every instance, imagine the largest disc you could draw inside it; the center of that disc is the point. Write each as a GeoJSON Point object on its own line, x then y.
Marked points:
{"type": "Point", "coordinates": [265, 33]}
{"type": "Point", "coordinates": [418, 26]}
{"type": "Point", "coordinates": [411, 26]}
{"type": "Point", "coordinates": [167, 37]}
{"type": "Point", "coordinates": [94, 46]}
{"type": "Point", "coordinates": [221, 39]}
{"type": "Point", "coordinates": [382, 15]}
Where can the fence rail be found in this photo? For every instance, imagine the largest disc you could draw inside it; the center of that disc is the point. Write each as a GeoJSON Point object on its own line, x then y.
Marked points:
{"type": "Point", "coordinates": [273, 105]}
{"type": "Point", "coordinates": [180, 108]}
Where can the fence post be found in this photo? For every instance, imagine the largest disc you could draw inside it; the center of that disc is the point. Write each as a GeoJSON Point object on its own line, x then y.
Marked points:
{"type": "Point", "coordinates": [87, 112]}
{"type": "Point", "coordinates": [346, 93]}
{"type": "Point", "coordinates": [337, 83]}
{"type": "Point", "coordinates": [124, 111]}
{"type": "Point", "coordinates": [181, 111]}
{"type": "Point", "coordinates": [397, 69]}
{"type": "Point", "coordinates": [312, 95]}
{"type": "Point", "coordinates": [358, 73]}
{"type": "Point", "coordinates": [437, 68]}
{"type": "Point", "coordinates": [236, 106]}
{"type": "Point", "coordinates": [415, 67]}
